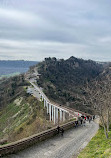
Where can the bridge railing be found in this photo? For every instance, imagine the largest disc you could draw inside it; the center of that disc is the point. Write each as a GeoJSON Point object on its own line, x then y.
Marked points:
{"type": "Point", "coordinates": [26, 142]}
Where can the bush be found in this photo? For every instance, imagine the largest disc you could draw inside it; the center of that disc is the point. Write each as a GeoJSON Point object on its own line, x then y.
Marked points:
{"type": "Point", "coordinates": [20, 130]}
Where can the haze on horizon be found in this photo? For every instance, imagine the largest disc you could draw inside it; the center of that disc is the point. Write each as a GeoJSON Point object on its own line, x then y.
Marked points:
{"type": "Point", "coordinates": [35, 29]}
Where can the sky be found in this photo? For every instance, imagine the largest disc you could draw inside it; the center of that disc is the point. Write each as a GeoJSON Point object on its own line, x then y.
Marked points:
{"type": "Point", "coordinates": [35, 29]}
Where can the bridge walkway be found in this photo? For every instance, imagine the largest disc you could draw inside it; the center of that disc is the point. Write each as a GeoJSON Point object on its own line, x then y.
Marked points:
{"type": "Point", "coordinates": [61, 147]}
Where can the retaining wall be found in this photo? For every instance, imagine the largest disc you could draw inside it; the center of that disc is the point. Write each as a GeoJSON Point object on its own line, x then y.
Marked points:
{"type": "Point", "coordinates": [25, 143]}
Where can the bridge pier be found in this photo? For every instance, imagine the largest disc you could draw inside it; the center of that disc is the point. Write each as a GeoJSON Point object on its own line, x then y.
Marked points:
{"type": "Point", "coordinates": [54, 115]}
{"type": "Point", "coordinates": [44, 103]}
{"type": "Point", "coordinates": [47, 107]}
{"type": "Point", "coordinates": [60, 115]}
{"type": "Point", "coordinates": [50, 111]}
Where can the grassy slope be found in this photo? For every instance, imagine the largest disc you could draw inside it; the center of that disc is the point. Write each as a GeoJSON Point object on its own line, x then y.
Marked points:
{"type": "Point", "coordinates": [22, 118]}
{"type": "Point", "coordinates": [98, 147]}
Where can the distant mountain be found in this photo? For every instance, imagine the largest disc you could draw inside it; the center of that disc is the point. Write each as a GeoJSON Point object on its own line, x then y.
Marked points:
{"type": "Point", "coordinates": [15, 66]}
{"type": "Point", "coordinates": [63, 80]}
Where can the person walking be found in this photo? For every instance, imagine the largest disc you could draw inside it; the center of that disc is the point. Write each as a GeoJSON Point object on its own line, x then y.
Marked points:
{"type": "Point", "coordinates": [62, 132]}
{"type": "Point", "coordinates": [76, 123]}
{"type": "Point", "coordinates": [81, 121]}
{"type": "Point", "coordinates": [58, 129]}
{"type": "Point", "coordinates": [84, 122]}
{"type": "Point", "coordinates": [89, 119]}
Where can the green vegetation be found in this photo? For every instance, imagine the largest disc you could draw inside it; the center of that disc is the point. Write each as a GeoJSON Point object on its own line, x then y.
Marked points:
{"type": "Point", "coordinates": [11, 88]}
{"type": "Point", "coordinates": [23, 117]}
{"type": "Point", "coordinates": [63, 80]}
{"type": "Point", "coordinates": [98, 147]}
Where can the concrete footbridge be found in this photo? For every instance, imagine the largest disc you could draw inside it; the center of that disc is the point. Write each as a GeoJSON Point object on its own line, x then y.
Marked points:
{"type": "Point", "coordinates": [56, 112]}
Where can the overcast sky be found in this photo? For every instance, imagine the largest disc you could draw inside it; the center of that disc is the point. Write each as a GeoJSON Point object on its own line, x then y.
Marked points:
{"type": "Point", "coordinates": [35, 29]}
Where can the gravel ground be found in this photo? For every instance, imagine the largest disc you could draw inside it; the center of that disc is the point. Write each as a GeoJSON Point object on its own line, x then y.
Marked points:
{"type": "Point", "coordinates": [67, 146]}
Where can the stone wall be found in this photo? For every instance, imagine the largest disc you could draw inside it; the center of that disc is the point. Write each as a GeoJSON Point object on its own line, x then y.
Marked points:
{"type": "Point", "coordinates": [26, 142]}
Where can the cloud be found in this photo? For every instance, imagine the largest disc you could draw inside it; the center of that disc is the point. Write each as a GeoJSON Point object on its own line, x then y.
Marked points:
{"type": "Point", "coordinates": [55, 28]}
{"type": "Point", "coordinates": [19, 18]}
{"type": "Point", "coordinates": [105, 40]}
{"type": "Point", "coordinates": [38, 50]}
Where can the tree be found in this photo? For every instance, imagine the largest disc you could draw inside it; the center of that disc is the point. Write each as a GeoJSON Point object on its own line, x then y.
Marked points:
{"type": "Point", "coordinates": [98, 95]}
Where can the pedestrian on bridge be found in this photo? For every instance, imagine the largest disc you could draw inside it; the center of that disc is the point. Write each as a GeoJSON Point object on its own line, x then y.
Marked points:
{"type": "Point", "coordinates": [81, 120]}
{"type": "Point", "coordinates": [62, 132]}
{"type": "Point", "coordinates": [93, 117]}
{"type": "Point", "coordinates": [76, 123]}
{"type": "Point", "coordinates": [84, 122]}
{"type": "Point", "coordinates": [58, 129]}
{"type": "Point", "coordinates": [89, 119]}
